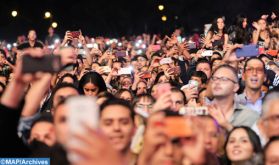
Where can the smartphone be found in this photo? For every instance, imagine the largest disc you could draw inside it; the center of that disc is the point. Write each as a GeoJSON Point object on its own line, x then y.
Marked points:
{"type": "Point", "coordinates": [47, 63]}
{"type": "Point", "coordinates": [75, 34]}
{"type": "Point", "coordinates": [179, 39]}
{"type": "Point", "coordinates": [146, 74]}
{"type": "Point", "coordinates": [194, 111]}
{"type": "Point", "coordinates": [106, 69]}
{"type": "Point", "coordinates": [192, 45]}
{"type": "Point", "coordinates": [125, 71]}
{"type": "Point", "coordinates": [178, 127]}
{"type": "Point", "coordinates": [163, 88]}
{"type": "Point", "coordinates": [272, 52]}
{"type": "Point", "coordinates": [83, 111]}
{"type": "Point", "coordinates": [207, 53]}
{"type": "Point", "coordinates": [166, 61]}
{"type": "Point", "coordinates": [121, 54]}
{"type": "Point", "coordinates": [155, 48]}
{"type": "Point", "coordinates": [194, 83]}
{"type": "Point", "coordinates": [247, 51]}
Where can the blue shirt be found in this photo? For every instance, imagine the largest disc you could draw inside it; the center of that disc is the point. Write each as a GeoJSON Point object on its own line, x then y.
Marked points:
{"type": "Point", "coordinates": [244, 100]}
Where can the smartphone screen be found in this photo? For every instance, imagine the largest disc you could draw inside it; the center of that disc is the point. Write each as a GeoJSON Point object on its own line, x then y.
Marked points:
{"type": "Point", "coordinates": [121, 53]}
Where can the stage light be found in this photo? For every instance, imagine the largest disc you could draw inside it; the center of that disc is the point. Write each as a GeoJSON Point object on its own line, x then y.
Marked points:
{"type": "Point", "coordinates": [47, 14]}
{"type": "Point", "coordinates": [14, 13]}
{"type": "Point", "coordinates": [164, 18]}
{"type": "Point", "coordinates": [54, 24]}
{"type": "Point", "coordinates": [161, 7]}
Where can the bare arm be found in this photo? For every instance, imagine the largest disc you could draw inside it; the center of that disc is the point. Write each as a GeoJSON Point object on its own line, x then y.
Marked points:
{"type": "Point", "coordinates": [35, 95]}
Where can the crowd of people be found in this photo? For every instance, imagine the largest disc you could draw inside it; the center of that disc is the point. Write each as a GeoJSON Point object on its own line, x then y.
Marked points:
{"type": "Point", "coordinates": [157, 100]}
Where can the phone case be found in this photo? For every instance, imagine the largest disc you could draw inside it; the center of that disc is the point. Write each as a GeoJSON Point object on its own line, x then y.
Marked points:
{"type": "Point", "coordinates": [247, 51]}
{"type": "Point", "coordinates": [47, 63]}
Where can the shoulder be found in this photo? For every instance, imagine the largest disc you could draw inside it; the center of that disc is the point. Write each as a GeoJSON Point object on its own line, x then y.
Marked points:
{"type": "Point", "coordinates": [23, 45]}
{"type": "Point", "coordinates": [39, 44]}
{"type": "Point", "coordinates": [245, 111]}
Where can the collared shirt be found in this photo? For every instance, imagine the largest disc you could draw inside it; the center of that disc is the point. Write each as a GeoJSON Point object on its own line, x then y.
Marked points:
{"type": "Point", "coordinates": [244, 100]}
{"type": "Point", "coordinates": [243, 116]}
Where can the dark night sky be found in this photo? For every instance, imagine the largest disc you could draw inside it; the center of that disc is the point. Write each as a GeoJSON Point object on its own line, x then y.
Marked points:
{"type": "Point", "coordinates": [121, 17]}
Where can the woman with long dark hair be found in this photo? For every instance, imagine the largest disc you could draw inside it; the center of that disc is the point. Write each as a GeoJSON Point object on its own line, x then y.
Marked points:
{"type": "Point", "coordinates": [240, 32]}
{"type": "Point", "coordinates": [91, 84]}
{"type": "Point", "coordinates": [217, 36]}
{"type": "Point", "coordinates": [242, 145]}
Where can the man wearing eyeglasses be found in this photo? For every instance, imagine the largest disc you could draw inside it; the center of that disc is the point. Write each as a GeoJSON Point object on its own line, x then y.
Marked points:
{"type": "Point", "coordinates": [267, 125]}
{"type": "Point", "coordinates": [224, 108]}
{"type": "Point", "coordinates": [254, 76]}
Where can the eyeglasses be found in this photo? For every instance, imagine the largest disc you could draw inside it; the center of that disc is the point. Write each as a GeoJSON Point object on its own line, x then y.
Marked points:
{"type": "Point", "coordinates": [141, 106]}
{"type": "Point", "coordinates": [222, 79]}
{"type": "Point", "coordinates": [273, 118]}
{"type": "Point", "coordinates": [251, 70]}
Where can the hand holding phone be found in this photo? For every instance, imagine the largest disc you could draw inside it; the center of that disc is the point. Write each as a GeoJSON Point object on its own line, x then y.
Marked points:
{"type": "Point", "coordinates": [146, 74]}
{"type": "Point", "coordinates": [75, 34]}
{"type": "Point", "coordinates": [83, 112]}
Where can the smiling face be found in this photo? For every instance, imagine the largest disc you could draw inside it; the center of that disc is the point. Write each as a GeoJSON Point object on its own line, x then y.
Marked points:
{"type": "Point", "coordinates": [116, 123]}
{"type": "Point", "coordinates": [239, 146]}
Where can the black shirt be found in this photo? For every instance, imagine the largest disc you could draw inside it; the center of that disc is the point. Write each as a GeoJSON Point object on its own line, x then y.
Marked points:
{"type": "Point", "coordinates": [51, 39]}
{"type": "Point", "coordinates": [38, 44]}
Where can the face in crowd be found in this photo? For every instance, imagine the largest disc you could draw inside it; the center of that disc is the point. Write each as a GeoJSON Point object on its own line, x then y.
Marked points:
{"type": "Point", "coordinates": [254, 74]}
{"type": "Point", "coordinates": [224, 83]}
{"type": "Point", "coordinates": [242, 144]}
{"type": "Point", "coordinates": [117, 124]}
{"type": "Point", "coordinates": [204, 67]}
{"type": "Point", "coordinates": [32, 35]}
{"type": "Point", "coordinates": [43, 131]}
